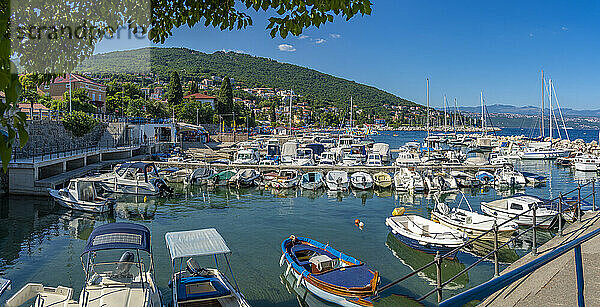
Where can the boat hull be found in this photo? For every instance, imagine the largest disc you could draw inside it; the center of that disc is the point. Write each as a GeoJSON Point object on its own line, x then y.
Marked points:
{"type": "Point", "coordinates": [542, 221]}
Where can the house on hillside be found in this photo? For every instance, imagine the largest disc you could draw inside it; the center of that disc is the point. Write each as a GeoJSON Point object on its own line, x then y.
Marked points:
{"type": "Point", "coordinates": [56, 89]}
{"type": "Point", "coordinates": [197, 97]}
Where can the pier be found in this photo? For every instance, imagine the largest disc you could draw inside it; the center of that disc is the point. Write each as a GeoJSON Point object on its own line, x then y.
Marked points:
{"type": "Point", "coordinates": [555, 283]}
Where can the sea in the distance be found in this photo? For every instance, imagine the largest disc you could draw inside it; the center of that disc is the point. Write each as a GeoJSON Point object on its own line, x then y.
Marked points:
{"type": "Point", "coordinates": [41, 243]}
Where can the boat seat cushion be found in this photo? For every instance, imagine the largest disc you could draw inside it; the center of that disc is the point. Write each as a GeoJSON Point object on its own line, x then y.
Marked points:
{"type": "Point", "coordinates": [356, 276]}
{"type": "Point", "coordinates": [200, 287]}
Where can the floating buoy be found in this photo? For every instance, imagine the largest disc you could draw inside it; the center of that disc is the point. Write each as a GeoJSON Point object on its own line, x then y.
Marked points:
{"type": "Point", "coordinates": [145, 198]}
{"type": "Point", "coordinates": [398, 211]}
{"type": "Point", "coordinates": [356, 221]}
{"type": "Point", "coordinates": [361, 225]}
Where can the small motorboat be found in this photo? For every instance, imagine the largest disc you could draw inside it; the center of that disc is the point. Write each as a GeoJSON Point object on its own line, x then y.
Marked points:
{"type": "Point", "coordinates": [337, 180]}
{"type": "Point", "coordinates": [327, 273]}
{"type": "Point", "coordinates": [465, 180]}
{"type": "Point", "coordinates": [514, 206]}
{"type": "Point", "coordinates": [312, 181]}
{"type": "Point", "coordinates": [244, 178]}
{"type": "Point", "coordinates": [178, 176]}
{"type": "Point", "coordinates": [471, 222]}
{"type": "Point", "coordinates": [286, 179]}
{"type": "Point", "coordinates": [447, 182]}
{"type": "Point", "coordinates": [138, 178]}
{"type": "Point", "coordinates": [129, 281]}
{"type": "Point", "coordinates": [406, 179]}
{"type": "Point", "coordinates": [269, 177]}
{"type": "Point", "coordinates": [200, 176]}
{"type": "Point", "coordinates": [221, 178]}
{"type": "Point", "coordinates": [361, 181]}
{"type": "Point", "coordinates": [81, 195]}
{"type": "Point", "coordinates": [425, 235]}
{"type": "Point", "coordinates": [193, 285]}
{"type": "Point", "coordinates": [508, 176]}
{"type": "Point", "coordinates": [382, 180]}
{"type": "Point", "coordinates": [374, 160]}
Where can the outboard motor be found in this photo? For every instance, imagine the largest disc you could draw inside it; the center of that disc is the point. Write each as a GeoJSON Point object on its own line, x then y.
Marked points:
{"type": "Point", "coordinates": [163, 188]}
{"type": "Point", "coordinates": [124, 265]}
{"type": "Point", "coordinates": [194, 268]}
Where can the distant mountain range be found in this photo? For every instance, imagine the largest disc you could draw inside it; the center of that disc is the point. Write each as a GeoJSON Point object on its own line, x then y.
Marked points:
{"type": "Point", "coordinates": [530, 110]}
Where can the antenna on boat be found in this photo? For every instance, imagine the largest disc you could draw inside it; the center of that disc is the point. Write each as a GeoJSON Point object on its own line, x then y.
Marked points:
{"type": "Point", "coordinates": [445, 123]}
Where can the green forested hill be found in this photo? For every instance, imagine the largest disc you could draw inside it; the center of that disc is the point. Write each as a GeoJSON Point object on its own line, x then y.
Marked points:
{"type": "Point", "coordinates": [247, 69]}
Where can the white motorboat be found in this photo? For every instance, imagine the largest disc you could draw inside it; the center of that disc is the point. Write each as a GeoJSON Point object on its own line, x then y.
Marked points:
{"type": "Point", "coordinates": [133, 178]}
{"type": "Point", "coordinates": [425, 235]}
{"type": "Point", "coordinates": [244, 178]}
{"type": "Point", "coordinates": [286, 179]}
{"type": "Point", "coordinates": [586, 163]}
{"type": "Point", "coordinates": [383, 150]}
{"type": "Point", "coordinates": [382, 180]}
{"type": "Point", "coordinates": [361, 181]}
{"type": "Point", "coordinates": [408, 158]}
{"type": "Point", "coordinates": [312, 181]}
{"type": "Point", "coordinates": [508, 176]}
{"type": "Point", "coordinates": [407, 180]}
{"type": "Point", "coordinates": [108, 283]}
{"type": "Point", "coordinates": [178, 176]}
{"type": "Point", "coordinates": [337, 180]}
{"type": "Point", "coordinates": [350, 160]}
{"type": "Point", "coordinates": [477, 158]}
{"type": "Point", "coordinates": [81, 195]}
{"type": "Point", "coordinates": [510, 207]}
{"type": "Point", "coordinates": [374, 160]}
{"type": "Point", "coordinates": [304, 157]}
{"type": "Point", "coordinates": [496, 159]}
{"type": "Point", "coordinates": [328, 158]}
{"type": "Point", "coordinates": [471, 222]}
{"type": "Point", "coordinates": [193, 285]}
{"type": "Point", "coordinates": [246, 156]}
{"type": "Point", "coordinates": [447, 181]}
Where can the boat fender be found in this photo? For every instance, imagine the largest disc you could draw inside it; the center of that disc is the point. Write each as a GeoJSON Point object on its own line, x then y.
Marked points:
{"type": "Point", "coordinates": [289, 268]}
{"type": "Point", "coordinates": [299, 280]}
{"type": "Point", "coordinates": [398, 211]}
{"type": "Point", "coordinates": [281, 261]}
{"type": "Point", "coordinates": [361, 225]}
{"type": "Point", "coordinates": [356, 221]}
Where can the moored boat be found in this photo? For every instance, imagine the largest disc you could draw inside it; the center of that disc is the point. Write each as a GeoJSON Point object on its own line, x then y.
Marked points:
{"type": "Point", "coordinates": [81, 195]}
{"type": "Point", "coordinates": [244, 178]}
{"type": "Point", "coordinates": [312, 181]}
{"type": "Point", "coordinates": [425, 235]}
{"type": "Point", "coordinates": [382, 180]}
{"type": "Point", "coordinates": [516, 206]}
{"type": "Point", "coordinates": [286, 179]}
{"type": "Point", "coordinates": [361, 181]}
{"type": "Point", "coordinates": [337, 180]}
{"type": "Point", "coordinates": [327, 273]}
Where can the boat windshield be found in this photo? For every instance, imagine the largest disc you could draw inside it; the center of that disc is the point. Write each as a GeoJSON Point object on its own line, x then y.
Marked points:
{"type": "Point", "coordinates": [244, 156]}
{"type": "Point", "coordinates": [125, 272]}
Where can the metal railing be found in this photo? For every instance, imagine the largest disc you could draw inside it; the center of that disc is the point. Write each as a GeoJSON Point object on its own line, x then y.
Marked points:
{"type": "Point", "coordinates": [57, 115]}
{"type": "Point", "coordinates": [576, 209]}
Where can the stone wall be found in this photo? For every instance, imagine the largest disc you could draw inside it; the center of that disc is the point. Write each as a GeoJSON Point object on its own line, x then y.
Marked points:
{"type": "Point", "coordinates": [50, 136]}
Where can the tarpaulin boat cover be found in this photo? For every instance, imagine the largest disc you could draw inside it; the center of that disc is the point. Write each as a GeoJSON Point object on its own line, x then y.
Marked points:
{"type": "Point", "coordinates": [202, 242]}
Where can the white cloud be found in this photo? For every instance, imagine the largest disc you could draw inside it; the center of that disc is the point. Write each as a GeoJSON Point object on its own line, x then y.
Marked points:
{"type": "Point", "coordinates": [334, 35]}
{"type": "Point", "coordinates": [320, 41]}
{"type": "Point", "coordinates": [234, 50]}
{"type": "Point", "coordinates": [530, 35]}
{"type": "Point", "coordinates": [563, 28]}
{"type": "Point", "coordinates": [303, 36]}
{"type": "Point", "coordinates": [286, 47]}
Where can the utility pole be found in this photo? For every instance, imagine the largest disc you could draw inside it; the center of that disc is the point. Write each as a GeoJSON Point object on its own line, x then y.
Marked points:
{"type": "Point", "coordinates": [197, 116]}
{"type": "Point", "coordinates": [70, 96]}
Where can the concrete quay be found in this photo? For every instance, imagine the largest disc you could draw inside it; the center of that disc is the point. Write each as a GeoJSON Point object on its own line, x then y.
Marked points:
{"type": "Point", "coordinates": [555, 283]}
{"type": "Point", "coordinates": [32, 176]}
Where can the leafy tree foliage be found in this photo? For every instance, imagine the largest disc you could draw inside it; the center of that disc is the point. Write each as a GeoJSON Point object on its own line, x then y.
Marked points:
{"type": "Point", "coordinates": [186, 112]}
{"type": "Point", "coordinates": [175, 91]}
{"type": "Point", "coordinates": [79, 123]}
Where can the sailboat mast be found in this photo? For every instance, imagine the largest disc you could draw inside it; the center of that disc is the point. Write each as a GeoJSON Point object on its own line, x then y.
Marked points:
{"type": "Point", "coordinates": [454, 116]}
{"type": "Point", "coordinates": [550, 106]}
{"type": "Point", "coordinates": [542, 117]}
{"type": "Point", "coordinates": [428, 109]}
{"type": "Point", "coordinates": [350, 113]}
{"type": "Point", "coordinates": [482, 113]}
{"type": "Point", "coordinates": [290, 111]}
{"type": "Point", "coordinates": [445, 123]}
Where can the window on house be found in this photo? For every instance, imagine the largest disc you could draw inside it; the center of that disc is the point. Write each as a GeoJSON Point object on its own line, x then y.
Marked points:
{"type": "Point", "coordinates": [93, 96]}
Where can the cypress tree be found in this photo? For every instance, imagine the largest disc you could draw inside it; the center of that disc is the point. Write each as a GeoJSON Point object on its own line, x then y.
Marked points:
{"type": "Point", "coordinates": [225, 99]}
{"type": "Point", "coordinates": [175, 91]}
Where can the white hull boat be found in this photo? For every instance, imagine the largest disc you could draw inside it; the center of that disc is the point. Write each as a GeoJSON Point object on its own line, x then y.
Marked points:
{"type": "Point", "coordinates": [510, 207]}
{"type": "Point", "coordinates": [312, 181]}
{"type": "Point", "coordinates": [138, 178]}
{"type": "Point", "coordinates": [337, 180]}
{"type": "Point", "coordinates": [286, 179]}
{"type": "Point", "coordinates": [361, 181]}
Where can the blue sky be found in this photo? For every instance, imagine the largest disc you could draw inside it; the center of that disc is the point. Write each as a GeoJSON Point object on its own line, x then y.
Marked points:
{"type": "Point", "coordinates": [463, 47]}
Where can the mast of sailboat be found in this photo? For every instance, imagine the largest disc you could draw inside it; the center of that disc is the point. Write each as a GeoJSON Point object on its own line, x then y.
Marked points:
{"type": "Point", "coordinates": [550, 113]}
{"type": "Point", "coordinates": [482, 114]}
{"type": "Point", "coordinates": [454, 115]}
{"type": "Point", "coordinates": [542, 117]}
{"type": "Point", "coordinates": [445, 123]}
{"type": "Point", "coordinates": [427, 109]}
{"type": "Point", "coordinates": [350, 114]}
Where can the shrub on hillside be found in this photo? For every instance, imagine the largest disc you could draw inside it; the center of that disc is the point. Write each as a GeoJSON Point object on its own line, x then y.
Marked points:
{"type": "Point", "coordinates": [79, 123]}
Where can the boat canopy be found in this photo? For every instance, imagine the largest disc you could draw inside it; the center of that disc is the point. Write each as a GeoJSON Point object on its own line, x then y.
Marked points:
{"type": "Point", "coordinates": [119, 236]}
{"type": "Point", "coordinates": [202, 242]}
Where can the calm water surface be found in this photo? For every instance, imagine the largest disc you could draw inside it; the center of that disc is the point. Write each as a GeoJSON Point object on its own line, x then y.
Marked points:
{"type": "Point", "coordinates": [40, 242]}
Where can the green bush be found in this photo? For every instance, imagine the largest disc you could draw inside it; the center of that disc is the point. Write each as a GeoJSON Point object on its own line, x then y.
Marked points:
{"type": "Point", "coordinates": [79, 123]}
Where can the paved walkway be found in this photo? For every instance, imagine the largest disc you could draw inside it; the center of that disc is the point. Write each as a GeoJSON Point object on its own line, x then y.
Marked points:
{"type": "Point", "coordinates": [555, 283]}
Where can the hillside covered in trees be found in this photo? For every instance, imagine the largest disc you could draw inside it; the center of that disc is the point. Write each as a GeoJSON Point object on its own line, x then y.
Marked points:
{"type": "Point", "coordinates": [250, 71]}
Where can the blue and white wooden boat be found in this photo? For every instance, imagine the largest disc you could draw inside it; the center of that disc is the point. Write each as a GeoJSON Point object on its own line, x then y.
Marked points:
{"type": "Point", "coordinates": [312, 181]}
{"type": "Point", "coordinates": [425, 235]}
{"type": "Point", "coordinates": [327, 273]}
{"type": "Point", "coordinates": [193, 285]}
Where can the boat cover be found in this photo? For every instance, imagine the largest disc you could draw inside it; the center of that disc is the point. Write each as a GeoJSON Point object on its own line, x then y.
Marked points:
{"type": "Point", "coordinates": [202, 242]}
{"type": "Point", "coordinates": [200, 287]}
{"type": "Point", "coordinates": [119, 236]}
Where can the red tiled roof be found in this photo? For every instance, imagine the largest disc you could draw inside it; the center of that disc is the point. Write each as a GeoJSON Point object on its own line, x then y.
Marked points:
{"type": "Point", "coordinates": [199, 96]}
{"type": "Point", "coordinates": [75, 78]}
